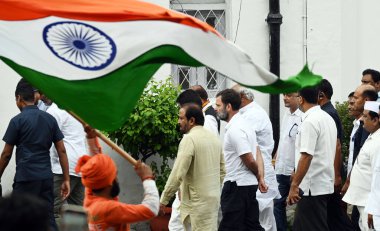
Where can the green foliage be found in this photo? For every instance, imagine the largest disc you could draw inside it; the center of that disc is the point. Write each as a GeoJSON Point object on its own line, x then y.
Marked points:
{"type": "Point", "coordinates": [347, 125]}
{"type": "Point", "coordinates": [152, 128]}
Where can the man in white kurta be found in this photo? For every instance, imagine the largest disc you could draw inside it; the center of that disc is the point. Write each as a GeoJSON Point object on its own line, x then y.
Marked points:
{"type": "Point", "coordinates": [257, 118]}
{"type": "Point", "coordinates": [198, 170]}
{"type": "Point", "coordinates": [373, 203]}
{"type": "Point", "coordinates": [361, 174]}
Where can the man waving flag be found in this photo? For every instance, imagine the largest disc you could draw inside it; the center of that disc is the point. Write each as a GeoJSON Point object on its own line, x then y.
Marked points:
{"type": "Point", "coordinates": [100, 54]}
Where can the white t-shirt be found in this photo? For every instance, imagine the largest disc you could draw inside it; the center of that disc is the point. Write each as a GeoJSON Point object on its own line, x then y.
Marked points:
{"type": "Point", "coordinates": [74, 140]}
{"type": "Point", "coordinates": [286, 147]}
{"type": "Point", "coordinates": [317, 136]}
{"type": "Point", "coordinates": [238, 140]}
{"type": "Point", "coordinates": [361, 175]}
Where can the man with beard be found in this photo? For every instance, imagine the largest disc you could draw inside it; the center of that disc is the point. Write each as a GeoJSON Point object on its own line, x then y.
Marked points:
{"type": "Point", "coordinates": [244, 167]}
{"type": "Point", "coordinates": [105, 212]}
{"type": "Point", "coordinates": [198, 170]}
{"type": "Point", "coordinates": [362, 171]}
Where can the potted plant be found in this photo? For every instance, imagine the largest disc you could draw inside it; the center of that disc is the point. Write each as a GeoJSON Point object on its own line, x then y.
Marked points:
{"type": "Point", "coordinates": [151, 129]}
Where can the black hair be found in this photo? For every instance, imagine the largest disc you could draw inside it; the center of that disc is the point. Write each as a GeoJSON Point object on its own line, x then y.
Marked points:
{"type": "Point", "coordinates": [326, 88]}
{"type": "Point", "coordinates": [373, 115]}
{"type": "Point", "coordinates": [25, 91]}
{"type": "Point", "coordinates": [189, 96]}
{"type": "Point", "coordinates": [194, 111]}
{"type": "Point", "coordinates": [371, 95]}
{"type": "Point", "coordinates": [310, 94]}
{"type": "Point", "coordinates": [229, 96]}
{"type": "Point", "coordinates": [23, 212]}
{"type": "Point", "coordinates": [201, 92]}
{"type": "Point", "coordinates": [374, 74]}
{"type": "Point", "coordinates": [351, 94]}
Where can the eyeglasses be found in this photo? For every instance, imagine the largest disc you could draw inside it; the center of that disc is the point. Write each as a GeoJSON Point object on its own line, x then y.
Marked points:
{"type": "Point", "coordinates": [293, 130]}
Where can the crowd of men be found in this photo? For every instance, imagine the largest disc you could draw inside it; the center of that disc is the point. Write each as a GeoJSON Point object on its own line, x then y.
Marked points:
{"type": "Point", "coordinates": [233, 184]}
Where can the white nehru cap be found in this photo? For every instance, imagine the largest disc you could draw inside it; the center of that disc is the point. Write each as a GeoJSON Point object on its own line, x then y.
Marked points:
{"type": "Point", "coordinates": [372, 106]}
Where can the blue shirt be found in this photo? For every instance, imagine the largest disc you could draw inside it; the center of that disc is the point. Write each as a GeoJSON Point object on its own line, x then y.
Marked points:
{"type": "Point", "coordinates": [32, 132]}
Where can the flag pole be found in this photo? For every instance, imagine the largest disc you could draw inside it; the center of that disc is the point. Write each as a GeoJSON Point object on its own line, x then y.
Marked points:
{"type": "Point", "coordinates": [109, 142]}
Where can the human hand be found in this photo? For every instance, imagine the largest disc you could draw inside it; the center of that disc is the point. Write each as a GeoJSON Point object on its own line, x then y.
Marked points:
{"type": "Point", "coordinates": [161, 212]}
{"type": "Point", "coordinates": [262, 186]}
{"type": "Point", "coordinates": [91, 132]}
{"type": "Point", "coordinates": [293, 196]}
{"type": "Point", "coordinates": [344, 188]}
{"type": "Point", "coordinates": [143, 170]}
{"type": "Point", "coordinates": [65, 189]}
{"type": "Point", "coordinates": [370, 221]}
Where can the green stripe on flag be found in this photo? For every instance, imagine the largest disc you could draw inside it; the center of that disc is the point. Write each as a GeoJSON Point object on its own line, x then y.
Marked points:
{"type": "Point", "coordinates": [105, 102]}
{"type": "Point", "coordinates": [305, 78]}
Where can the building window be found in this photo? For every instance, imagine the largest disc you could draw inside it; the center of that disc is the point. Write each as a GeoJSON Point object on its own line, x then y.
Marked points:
{"type": "Point", "coordinates": [215, 15]}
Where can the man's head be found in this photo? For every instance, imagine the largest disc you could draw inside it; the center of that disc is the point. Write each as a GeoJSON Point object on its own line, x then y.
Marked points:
{"type": "Point", "coordinates": [227, 104]}
{"type": "Point", "coordinates": [351, 111]}
{"type": "Point", "coordinates": [308, 97]}
{"type": "Point", "coordinates": [99, 174]}
{"type": "Point", "coordinates": [291, 100]}
{"type": "Point", "coordinates": [24, 94]}
{"type": "Point", "coordinates": [371, 116]}
{"type": "Point", "coordinates": [363, 93]}
{"type": "Point", "coordinates": [325, 92]}
{"type": "Point", "coordinates": [189, 96]}
{"type": "Point", "coordinates": [246, 95]}
{"type": "Point", "coordinates": [23, 212]}
{"type": "Point", "coordinates": [201, 92]}
{"type": "Point", "coordinates": [190, 115]}
{"type": "Point", "coordinates": [371, 77]}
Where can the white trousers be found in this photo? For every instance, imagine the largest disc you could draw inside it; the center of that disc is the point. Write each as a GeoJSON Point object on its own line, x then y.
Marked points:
{"type": "Point", "coordinates": [175, 223]}
{"type": "Point", "coordinates": [267, 219]}
{"type": "Point", "coordinates": [363, 219]}
{"type": "Point", "coordinates": [376, 222]}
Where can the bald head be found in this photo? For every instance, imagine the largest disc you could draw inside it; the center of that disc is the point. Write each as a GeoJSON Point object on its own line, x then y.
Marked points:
{"type": "Point", "coordinates": [201, 92]}
{"type": "Point", "coordinates": [362, 94]}
{"type": "Point", "coordinates": [246, 94]}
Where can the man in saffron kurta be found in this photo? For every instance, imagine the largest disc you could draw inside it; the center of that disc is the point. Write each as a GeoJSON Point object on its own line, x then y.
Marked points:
{"type": "Point", "coordinates": [199, 170]}
{"type": "Point", "coordinates": [105, 212]}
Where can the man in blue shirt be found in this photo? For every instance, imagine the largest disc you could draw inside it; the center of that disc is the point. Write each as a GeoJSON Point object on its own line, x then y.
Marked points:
{"type": "Point", "coordinates": [33, 132]}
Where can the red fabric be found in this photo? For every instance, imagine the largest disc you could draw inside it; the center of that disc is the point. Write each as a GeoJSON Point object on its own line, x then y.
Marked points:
{"type": "Point", "coordinates": [97, 171]}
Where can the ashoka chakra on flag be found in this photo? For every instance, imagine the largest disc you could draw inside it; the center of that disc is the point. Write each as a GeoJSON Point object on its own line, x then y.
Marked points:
{"type": "Point", "coordinates": [80, 44]}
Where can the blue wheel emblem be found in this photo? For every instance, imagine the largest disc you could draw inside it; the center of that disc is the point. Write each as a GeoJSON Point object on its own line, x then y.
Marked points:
{"type": "Point", "coordinates": [80, 44]}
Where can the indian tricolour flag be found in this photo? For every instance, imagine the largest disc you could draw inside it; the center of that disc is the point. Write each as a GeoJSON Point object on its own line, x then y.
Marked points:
{"type": "Point", "coordinates": [94, 57]}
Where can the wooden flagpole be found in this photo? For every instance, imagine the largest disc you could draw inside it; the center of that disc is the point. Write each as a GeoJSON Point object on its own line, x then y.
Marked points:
{"type": "Point", "coordinates": [109, 142]}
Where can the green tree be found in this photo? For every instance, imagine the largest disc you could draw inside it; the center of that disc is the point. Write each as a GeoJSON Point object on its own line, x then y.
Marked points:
{"type": "Point", "coordinates": [152, 128]}
{"type": "Point", "coordinates": [347, 125]}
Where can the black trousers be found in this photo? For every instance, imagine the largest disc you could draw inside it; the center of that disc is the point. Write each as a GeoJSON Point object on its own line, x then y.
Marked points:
{"type": "Point", "coordinates": [337, 218]}
{"type": "Point", "coordinates": [311, 214]}
{"type": "Point", "coordinates": [240, 208]}
{"type": "Point", "coordinates": [42, 189]}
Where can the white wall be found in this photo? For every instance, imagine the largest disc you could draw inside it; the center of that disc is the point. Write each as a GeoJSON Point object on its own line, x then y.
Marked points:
{"type": "Point", "coordinates": [341, 42]}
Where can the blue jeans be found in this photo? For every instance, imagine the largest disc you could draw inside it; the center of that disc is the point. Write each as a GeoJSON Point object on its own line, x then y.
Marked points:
{"type": "Point", "coordinates": [280, 204]}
